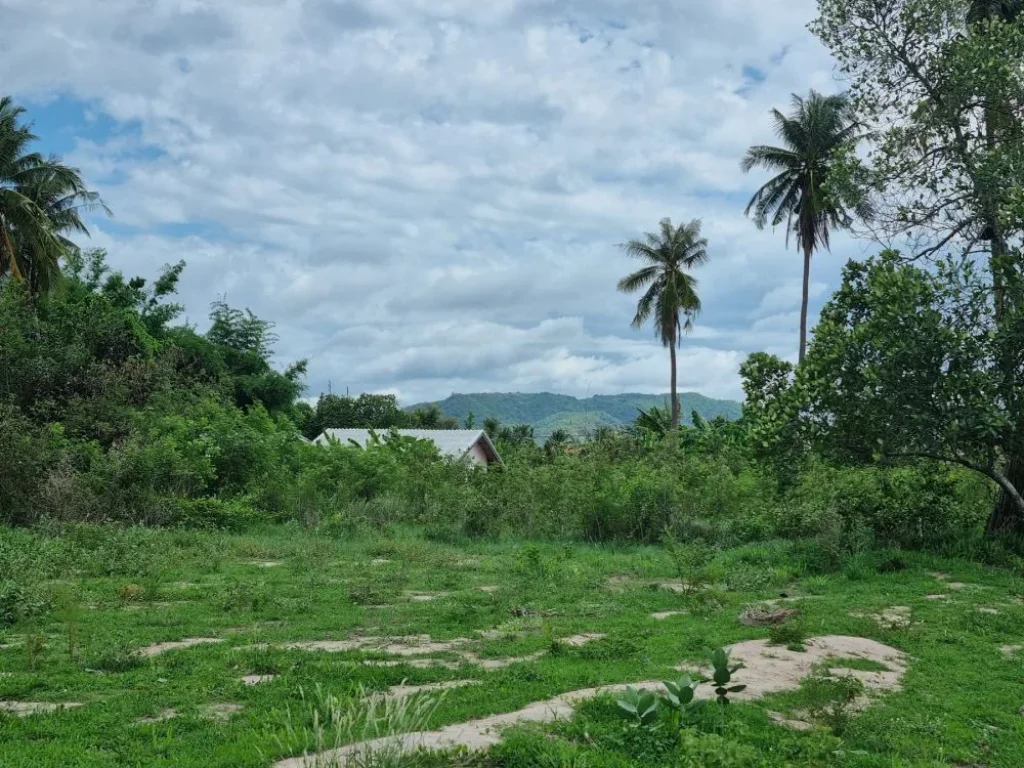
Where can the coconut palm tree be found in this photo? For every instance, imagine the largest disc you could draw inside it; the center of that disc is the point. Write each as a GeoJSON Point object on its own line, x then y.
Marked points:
{"type": "Point", "coordinates": [41, 202]}
{"type": "Point", "coordinates": [796, 196]}
{"type": "Point", "coordinates": [671, 297]}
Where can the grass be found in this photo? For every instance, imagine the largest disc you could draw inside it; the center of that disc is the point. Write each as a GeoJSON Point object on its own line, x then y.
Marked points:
{"type": "Point", "coordinates": [93, 596]}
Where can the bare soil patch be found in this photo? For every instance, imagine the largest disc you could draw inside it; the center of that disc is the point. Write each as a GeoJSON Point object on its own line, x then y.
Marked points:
{"type": "Point", "coordinates": [257, 679]}
{"type": "Point", "coordinates": [221, 712]}
{"type": "Point", "coordinates": [26, 708]}
{"type": "Point", "coordinates": [158, 648]}
{"type": "Point", "coordinates": [897, 616]}
{"type": "Point", "coordinates": [767, 670]}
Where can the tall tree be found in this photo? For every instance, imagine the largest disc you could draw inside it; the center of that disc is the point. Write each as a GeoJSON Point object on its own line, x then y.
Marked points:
{"type": "Point", "coordinates": [670, 298]}
{"type": "Point", "coordinates": [41, 203]}
{"type": "Point", "coordinates": [798, 194]}
{"type": "Point", "coordinates": [935, 83]}
{"type": "Point", "coordinates": [986, 10]}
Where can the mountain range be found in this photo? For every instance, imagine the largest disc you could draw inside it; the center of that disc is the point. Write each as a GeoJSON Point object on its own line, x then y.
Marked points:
{"type": "Point", "coordinates": [546, 412]}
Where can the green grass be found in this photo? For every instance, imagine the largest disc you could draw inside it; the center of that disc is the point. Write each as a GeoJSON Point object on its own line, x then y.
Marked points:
{"type": "Point", "coordinates": [93, 596]}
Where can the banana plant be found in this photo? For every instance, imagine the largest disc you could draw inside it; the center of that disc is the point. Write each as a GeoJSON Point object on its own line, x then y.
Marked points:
{"type": "Point", "coordinates": [722, 676]}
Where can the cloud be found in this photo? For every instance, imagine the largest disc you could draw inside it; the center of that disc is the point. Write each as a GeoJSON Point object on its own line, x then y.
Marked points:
{"type": "Point", "coordinates": [425, 195]}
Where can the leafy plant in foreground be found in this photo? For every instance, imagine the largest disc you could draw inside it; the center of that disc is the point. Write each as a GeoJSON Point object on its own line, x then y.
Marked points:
{"type": "Point", "coordinates": [722, 676]}
{"type": "Point", "coordinates": [678, 697]}
{"type": "Point", "coordinates": [641, 707]}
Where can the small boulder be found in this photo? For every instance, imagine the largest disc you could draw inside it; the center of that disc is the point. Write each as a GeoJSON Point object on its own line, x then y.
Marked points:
{"type": "Point", "coordinates": [765, 617]}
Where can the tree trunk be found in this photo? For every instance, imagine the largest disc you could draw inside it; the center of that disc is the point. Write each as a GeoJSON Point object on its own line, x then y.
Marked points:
{"type": "Point", "coordinates": [1008, 515]}
{"type": "Point", "coordinates": [675, 396]}
{"type": "Point", "coordinates": [15, 272]}
{"type": "Point", "coordinates": [804, 301]}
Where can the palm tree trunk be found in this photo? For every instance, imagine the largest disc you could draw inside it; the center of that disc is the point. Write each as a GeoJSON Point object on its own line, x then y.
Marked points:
{"type": "Point", "coordinates": [15, 271]}
{"type": "Point", "coordinates": [675, 396]}
{"type": "Point", "coordinates": [804, 302]}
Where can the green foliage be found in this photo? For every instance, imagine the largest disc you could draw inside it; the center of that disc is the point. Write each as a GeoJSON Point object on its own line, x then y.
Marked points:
{"type": "Point", "coordinates": [640, 707]}
{"type": "Point", "coordinates": [791, 633]}
{"type": "Point", "coordinates": [721, 675]}
{"type": "Point", "coordinates": [18, 602]}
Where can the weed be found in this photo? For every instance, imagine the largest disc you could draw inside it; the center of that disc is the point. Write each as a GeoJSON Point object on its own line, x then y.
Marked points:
{"type": "Point", "coordinates": [328, 722]}
{"type": "Point", "coordinates": [35, 647]}
{"type": "Point", "coordinates": [830, 700]}
{"type": "Point", "coordinates": [691, 561]}
{"type": "Point", "coordinates": [790, 633]}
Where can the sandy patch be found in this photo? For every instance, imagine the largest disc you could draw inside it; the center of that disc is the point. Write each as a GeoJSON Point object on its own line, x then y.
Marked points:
{"type": "Point", "coordinates": [159, 717]}
{"type": "Point", "coordinates": [222, 712]}
{"type": "Point", "coordinates": [938, 575]}
{"type": "Point", "coordinates": [379, 561]}
{"type": "Point", "coordinates": [780, 600]}
{"type": "Point", "coordinates": [488, 588]}
{"type": "Point", "coordinates": [425, 597]}
{"type": "Point", "coordinates": [794, 725]}
{"type": "Point", "coordinates": [936, 597]}
{"type": "Point", "coordinates": [467, 562]}
{"type": "Point", "coordinates": [578, 641]}
{"type": "Point", "coordinates": [1010, 650]}
{"type": "Point", "coordinates": [414, 663]}
{"type": "Point", "coordinates": [662, 615]}
{"type": "Point", "coordinates": [769, 670]}
{"type": "Point", "coordinates": [404, 691]}
{"type": "Point", "coordinates": [986, 609]}
{"type": "Point", "coordinates": [492, 664]}
{"type": "Point", "coordinates": [265, 563]}
{"type": "Point", "coordinates": [675, 585]}
{"type": "Point", "coordinates": [257, 679]}
{"type": "Point", "coordinates": [26, 708]}
{"type": "Point", "coordinates": [417, 645]}
{"type": "Point", "coordinates": [158, 648]}
{"type": "Point", "coordinates": [956, 585]}
{"type": "Point", "coordinates": [897, 616]}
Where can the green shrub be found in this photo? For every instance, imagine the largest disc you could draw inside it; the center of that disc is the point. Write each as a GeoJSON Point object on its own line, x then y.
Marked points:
{"type": "Point", "coordinates": [18, 602]}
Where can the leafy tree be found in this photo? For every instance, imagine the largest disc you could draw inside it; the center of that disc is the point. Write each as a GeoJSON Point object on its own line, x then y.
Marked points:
{"type": "Point", "coordinates": [366, 411]}
{"type": "Point", "coordinates": [797, 195]}
{"type": "Point", "coordinates": [932, 82]}
{"type": "Point", "coordinates": [906, 365]}
{"type": "Point", "coordinates": [557, 442]}
{"type": "Point", "coordinates": [41, 203]}
{"type": "Point", "coordinates": [981, 11]}
{"type": "Point", "coordinates": [431, 417]}
{"type": "Point", "coordinates": [671, 291]}
{"type": "Point", "coordinates": [492, 427]}
{"type": "Point", "coordinates": [516, 435]}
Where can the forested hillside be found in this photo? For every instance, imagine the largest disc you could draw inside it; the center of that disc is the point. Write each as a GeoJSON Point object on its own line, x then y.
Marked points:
{"type": "Point", "coordinates": [547, 412]}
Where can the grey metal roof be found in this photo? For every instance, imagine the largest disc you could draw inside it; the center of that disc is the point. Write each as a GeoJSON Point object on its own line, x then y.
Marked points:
{"type": "Point", "coordinates": [453, 443]}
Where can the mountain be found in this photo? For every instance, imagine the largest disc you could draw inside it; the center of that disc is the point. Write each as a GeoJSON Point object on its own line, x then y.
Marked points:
{"type": "Point", "coordinates": [546, 412]}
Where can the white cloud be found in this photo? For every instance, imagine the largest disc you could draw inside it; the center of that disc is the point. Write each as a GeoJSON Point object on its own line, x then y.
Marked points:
{"type": "Point", "coordinates": [425, 194]}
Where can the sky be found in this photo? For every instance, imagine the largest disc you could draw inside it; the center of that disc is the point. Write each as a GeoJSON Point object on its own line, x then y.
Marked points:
{"type": "Point", "coordinates": [425, 196]}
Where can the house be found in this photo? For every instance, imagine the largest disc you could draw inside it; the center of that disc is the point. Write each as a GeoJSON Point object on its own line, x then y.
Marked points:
{"type": "Point", "coordinates": [471, 444]}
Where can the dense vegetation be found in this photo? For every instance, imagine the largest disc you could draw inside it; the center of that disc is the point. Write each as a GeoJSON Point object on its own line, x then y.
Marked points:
{"type": "Point", "coordinates": [154, 483]}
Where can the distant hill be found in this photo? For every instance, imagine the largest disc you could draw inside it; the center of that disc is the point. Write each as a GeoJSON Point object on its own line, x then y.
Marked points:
{"type": "Point", "coordinates": [546, 412]}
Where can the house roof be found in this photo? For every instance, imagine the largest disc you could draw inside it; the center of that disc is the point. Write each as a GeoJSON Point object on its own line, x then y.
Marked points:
{"type": "Point", "coordinates": [451, 443]}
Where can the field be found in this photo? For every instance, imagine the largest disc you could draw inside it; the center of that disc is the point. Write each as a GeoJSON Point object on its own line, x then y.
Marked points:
{"type": "Point", "coordinates": [514, 623]}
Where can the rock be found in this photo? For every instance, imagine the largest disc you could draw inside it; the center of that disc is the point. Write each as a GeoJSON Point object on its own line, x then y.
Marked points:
{"type": "Point", "coordinates": [765, 617]}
